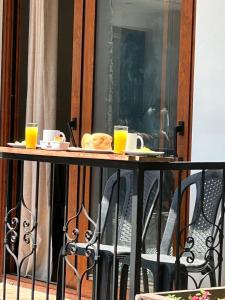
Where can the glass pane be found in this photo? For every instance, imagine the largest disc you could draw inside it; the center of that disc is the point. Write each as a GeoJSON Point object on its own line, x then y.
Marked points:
{"type": "Point", "coordinates": [136, 71]}
{"type": "Point", "coordinates": [136, 81]}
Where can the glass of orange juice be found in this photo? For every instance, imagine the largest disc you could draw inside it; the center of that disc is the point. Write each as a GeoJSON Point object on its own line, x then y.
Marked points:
{"type": "Point", "coordinates": [31, 134]}
{"type": "Point", "coordinates": [120, 139]}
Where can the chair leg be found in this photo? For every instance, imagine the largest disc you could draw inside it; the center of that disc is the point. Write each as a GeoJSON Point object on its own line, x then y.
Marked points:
{"type": "Point", "coordinates": [183, 278]}
{"type": "Point", "coordinates": [165, 278]}
{"type": "Point", "coordinates": [123, 281]}
{"type": "Point", "coordinates": [211, 270]}
{"type": "Point", "coordinates": [212, 277]}
{"type": "Point", "coordinates": [212, 274]}
{"type": "Point", "coordinates": [145, 280]}
{"type": "Point", "coordinates": [104, 278]}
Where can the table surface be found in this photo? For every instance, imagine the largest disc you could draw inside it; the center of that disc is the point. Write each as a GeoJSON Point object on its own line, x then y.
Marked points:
{"type": "Point", "coordinates": [81, 158]}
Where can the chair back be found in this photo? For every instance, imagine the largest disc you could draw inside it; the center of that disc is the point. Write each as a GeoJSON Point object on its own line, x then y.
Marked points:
{"type": "Point", "coordinates": [203, 227]}
{"type": "Point", "coordinates": [150, 193]}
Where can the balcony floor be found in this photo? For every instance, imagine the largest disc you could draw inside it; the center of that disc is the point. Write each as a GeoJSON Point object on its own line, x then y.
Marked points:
{"type": "Point", "coordinates": [25, 293]}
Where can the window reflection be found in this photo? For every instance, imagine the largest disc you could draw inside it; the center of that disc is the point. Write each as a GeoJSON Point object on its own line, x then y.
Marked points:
{"type": "Point", "coordinates": [137, 68]}
{"type": "Point", "coordinates": [136, 79]}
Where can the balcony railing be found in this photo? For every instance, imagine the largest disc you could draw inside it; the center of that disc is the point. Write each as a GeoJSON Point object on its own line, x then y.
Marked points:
{"type": "Point", "coordinates": [151, 229]}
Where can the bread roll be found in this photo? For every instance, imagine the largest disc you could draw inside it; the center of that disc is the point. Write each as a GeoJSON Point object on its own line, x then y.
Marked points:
{"type": "Point", "coordinates": [98, 141]}
{"type": "Point", "coordinates": [86, 141]}
{"type": "Point", "coordinates": [102, 141]}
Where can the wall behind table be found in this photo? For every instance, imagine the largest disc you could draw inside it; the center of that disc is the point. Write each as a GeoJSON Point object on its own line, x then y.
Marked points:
{"type": "Point", "coordinates": [208, 132]}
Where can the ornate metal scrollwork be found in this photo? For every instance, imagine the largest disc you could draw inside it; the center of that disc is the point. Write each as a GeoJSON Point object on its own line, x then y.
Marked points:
{"type": "Point", "coordinates": [13, 230]}
{"type": "Point", "coordinates": [84, 245]}
{"type": "Point", "coordinates": [211, 255]}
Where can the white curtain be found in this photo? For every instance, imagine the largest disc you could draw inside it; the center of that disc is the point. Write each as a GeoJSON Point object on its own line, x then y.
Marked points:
{"type": "Point", "coordinates": [41, 108]}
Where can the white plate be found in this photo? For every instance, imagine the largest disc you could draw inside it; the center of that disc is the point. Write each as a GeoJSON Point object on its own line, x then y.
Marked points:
{"type": "Point", "coordinates": [78, 149]}
{"type": "Point", "coordinates": [16, 145]}
{"type": "Point", "coordinates": [52, 149]}
{"type": "Point", "coordinates": [52, 145]}
{"type": "Point", "coordinates": [138, 153]}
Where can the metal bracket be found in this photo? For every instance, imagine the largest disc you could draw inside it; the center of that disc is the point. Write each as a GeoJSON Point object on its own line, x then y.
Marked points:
{"type": "Point", "coordinates": [72, 125]}
{"type": "Point", "coordinates": [179, 129]}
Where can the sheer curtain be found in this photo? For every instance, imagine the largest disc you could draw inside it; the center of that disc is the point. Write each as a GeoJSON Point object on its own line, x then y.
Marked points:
{"type": "Point", "coordinates": [41, 108]}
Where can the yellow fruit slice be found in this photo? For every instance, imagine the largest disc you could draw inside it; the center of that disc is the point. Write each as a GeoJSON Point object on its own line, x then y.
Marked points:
{"type": "Point", "coordinates": [145, 150]}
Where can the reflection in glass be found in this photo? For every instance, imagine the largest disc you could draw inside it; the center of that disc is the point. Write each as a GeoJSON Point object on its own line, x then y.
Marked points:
{"type": "Point", "coordinates": [137, 68]}
{"type": "Point", "coordinates": [136, 80]}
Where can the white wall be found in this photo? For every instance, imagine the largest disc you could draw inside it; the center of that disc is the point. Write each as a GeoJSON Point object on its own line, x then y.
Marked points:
{"type": "Point", "coordinates": [208, 139]}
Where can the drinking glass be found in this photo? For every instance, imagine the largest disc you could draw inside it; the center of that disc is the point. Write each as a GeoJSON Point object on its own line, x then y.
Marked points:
{"type": "Point", "coordinates": [120, 139]}
{"type": "Point", "coordinates": [31, 134]}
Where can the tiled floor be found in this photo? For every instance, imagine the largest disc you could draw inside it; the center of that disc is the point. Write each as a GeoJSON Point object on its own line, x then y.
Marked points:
{"type": "Point", "coordinates": [25, 293]}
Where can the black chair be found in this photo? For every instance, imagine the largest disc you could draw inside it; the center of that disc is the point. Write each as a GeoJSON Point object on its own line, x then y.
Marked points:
{"type": "Point", "coordinates": [106, 252]}
{"type": "Point", "coordinates": [198, 253]}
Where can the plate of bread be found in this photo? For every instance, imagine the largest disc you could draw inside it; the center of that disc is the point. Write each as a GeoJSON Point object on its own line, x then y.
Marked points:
{"type": "Point", "coordinates": [94, 143]}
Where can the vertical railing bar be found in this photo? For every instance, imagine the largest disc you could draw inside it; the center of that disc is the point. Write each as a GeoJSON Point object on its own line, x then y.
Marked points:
{"type": "Point", "coordinates": [115, 239]}
{"type": "Point", "coordinates": [202, 195]}
{"type": "Point", "coordinates": [159, 221]}
{"type": "Point", "coordinates": [96, 292]}
{"type": "Point", "coordinates": [202, 189]}
{"type": "Point", "coordinates": [136, 239]}
{"type": "Point", "coordinates": [177, 263]}
{"type": "Point", "coordinates": [83, 185]}
{"type": "Point", "coordinates": [65, 230]}
{"type": "Point", "coordinates": [8, 196]}
{"type": "Point", "coordinates": [79, 280]}
{"type": "Point", "coordinates": [21, 197]}
{"type": "Point", "coordinates": [221, 234]}
{"type": "Point", "coordinates": [35, 230]}
{"type": "Point", "coordinates": [50, 205]}
{"type": "Point", "coordinates": [78, 206]}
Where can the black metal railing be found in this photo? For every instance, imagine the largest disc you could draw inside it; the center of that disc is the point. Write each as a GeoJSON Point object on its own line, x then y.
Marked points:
{"type": "Point", "coordinates": [127, 202]}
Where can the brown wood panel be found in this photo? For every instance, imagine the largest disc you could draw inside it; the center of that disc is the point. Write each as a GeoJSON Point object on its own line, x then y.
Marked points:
{"type": "Point", "coordinates": [77, 64]}
{"type": "Point", "coordinates": [7, 70]}
{"type": "Point", "coordinates": [81, 105]}
{"type": "Point", "coordinates": [185, 81]}
{"type": "Point", "coordinates": [86, 108]}
{"type": "Point", "coordinates": [89, 42]}
{"type": "Point", "coordinates": [192, 79]}
{"type": "Point", "coordinates": [75, 112]}
{"type": "Point", "coordinates": [185, 89]}
{"type": "Point", "coordinates": [16, 118]}
{"type": "Point", "coordinates": [6, 101]}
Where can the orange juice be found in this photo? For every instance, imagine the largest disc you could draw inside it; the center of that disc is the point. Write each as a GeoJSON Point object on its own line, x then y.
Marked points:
{"type": "Point", "coordinates": [120, 139]}
{"type": "Point", "coordinates": [31, 134]}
